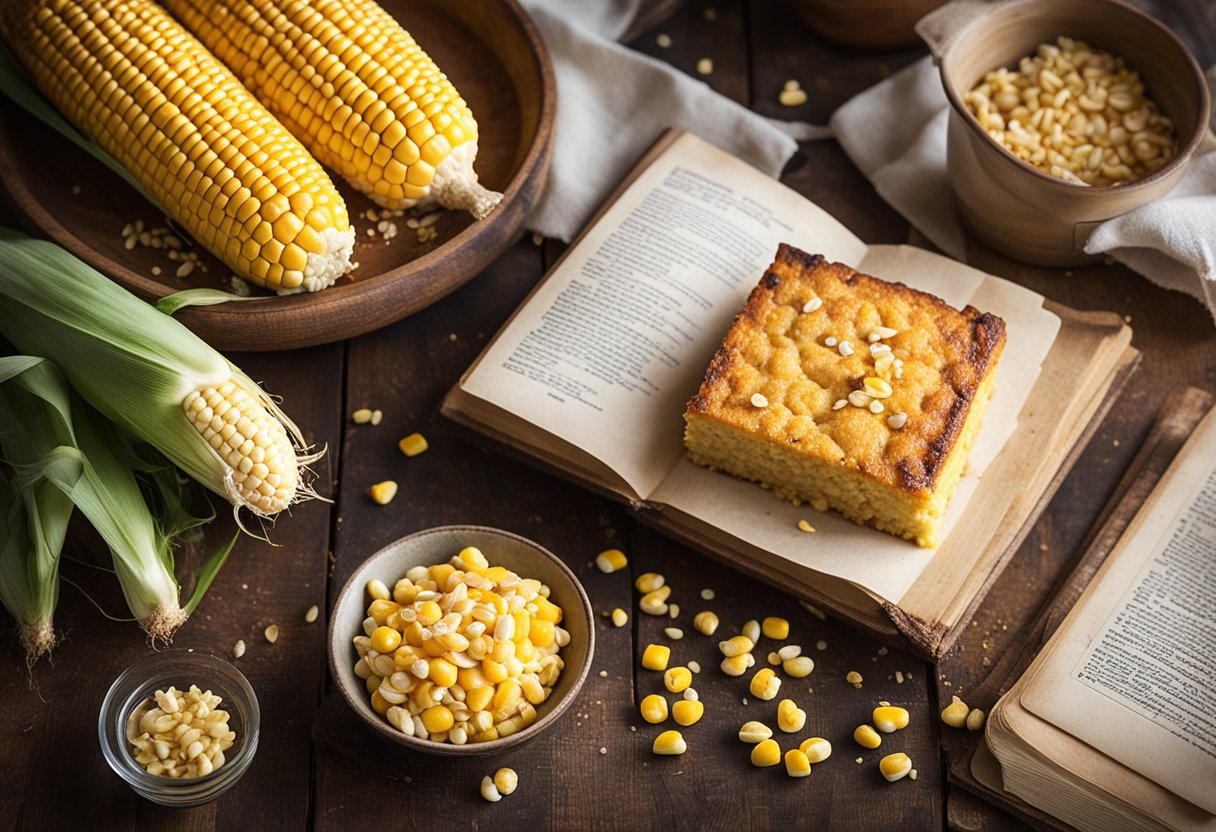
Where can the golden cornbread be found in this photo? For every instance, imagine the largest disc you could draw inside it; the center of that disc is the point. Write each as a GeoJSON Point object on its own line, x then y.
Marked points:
{"type": "Point", "coordinates": [775, 405]}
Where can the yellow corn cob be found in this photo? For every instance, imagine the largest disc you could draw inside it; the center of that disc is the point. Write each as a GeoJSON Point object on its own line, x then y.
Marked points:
{"type": "Point", "coordinates": [353, 84]}
{"type": "Point", "coordinates": [152, 96]}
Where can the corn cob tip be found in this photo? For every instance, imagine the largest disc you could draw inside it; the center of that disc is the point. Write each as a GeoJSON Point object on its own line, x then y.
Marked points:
{"type": "Point", "coordinates": [323, 270]}
{"type": "Point", "coordinates": [455, 185]}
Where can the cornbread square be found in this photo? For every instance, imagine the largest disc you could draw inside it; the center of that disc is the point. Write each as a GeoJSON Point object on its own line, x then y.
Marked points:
{"type": "Point", "coordinates": [838, 389]}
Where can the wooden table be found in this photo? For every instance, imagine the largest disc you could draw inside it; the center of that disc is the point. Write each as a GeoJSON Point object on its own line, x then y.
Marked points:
{"type": "Point", "coordinates": [594, 770]}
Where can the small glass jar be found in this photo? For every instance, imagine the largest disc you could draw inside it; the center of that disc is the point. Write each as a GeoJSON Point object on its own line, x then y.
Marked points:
{"type": "Point", "coordinates": [136, 686]}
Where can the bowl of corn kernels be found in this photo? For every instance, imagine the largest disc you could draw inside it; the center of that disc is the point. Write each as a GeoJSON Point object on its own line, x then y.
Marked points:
{"type": "Point", "coordinates": [1064, 113]}
{"type": "Point", "coordinates": [461, 640]}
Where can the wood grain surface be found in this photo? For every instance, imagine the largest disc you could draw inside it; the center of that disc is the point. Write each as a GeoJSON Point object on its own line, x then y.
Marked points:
{"type": "Point", "coordinates": [317, 768]}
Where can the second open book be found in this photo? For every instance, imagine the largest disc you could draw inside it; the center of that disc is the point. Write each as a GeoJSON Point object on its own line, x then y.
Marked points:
{"type": "Point", "coordinates": [591, 375]}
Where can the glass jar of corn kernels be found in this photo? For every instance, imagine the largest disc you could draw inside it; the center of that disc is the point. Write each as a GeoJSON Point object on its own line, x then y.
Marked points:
{"type": "Point", "coordinates": [136, 687]}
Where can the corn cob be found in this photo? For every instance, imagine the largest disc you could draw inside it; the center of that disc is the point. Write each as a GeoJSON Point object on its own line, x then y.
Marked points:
{"type": "Point", "coordinates": [357, 88]}
{"type": "Point", "coordinates": [128, 76]}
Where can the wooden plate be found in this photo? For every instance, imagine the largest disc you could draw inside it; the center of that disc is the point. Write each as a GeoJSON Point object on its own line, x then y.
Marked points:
{"type": "Point", "coordinates": [494, 56]}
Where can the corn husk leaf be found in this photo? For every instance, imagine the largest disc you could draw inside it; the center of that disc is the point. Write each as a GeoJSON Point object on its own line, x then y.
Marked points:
{"type": "Point", "coordinates": [127, 360]}
{"type": "Point", "coordinates": [171, 304]}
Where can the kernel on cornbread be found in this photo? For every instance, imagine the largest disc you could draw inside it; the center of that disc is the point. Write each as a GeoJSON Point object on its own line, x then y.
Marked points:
{"type": "Point", "coordinates": [871, 394]}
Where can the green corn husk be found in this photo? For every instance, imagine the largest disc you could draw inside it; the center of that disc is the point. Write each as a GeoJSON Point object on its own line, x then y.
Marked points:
{"type": "Point", "coordinates": [51, 440]}
{"type": "Point", "coordinates": [134, 364]}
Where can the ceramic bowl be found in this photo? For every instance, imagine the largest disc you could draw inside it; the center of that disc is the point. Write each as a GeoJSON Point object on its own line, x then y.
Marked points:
{"type": "Point", "coordinates": [438, 545]}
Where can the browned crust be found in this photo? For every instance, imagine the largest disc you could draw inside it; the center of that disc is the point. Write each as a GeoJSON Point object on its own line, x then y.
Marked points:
{"type": "Point", "coordinates": [977, 344]}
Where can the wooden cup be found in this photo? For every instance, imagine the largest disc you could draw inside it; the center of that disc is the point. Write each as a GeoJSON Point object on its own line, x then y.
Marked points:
{"type": "Point", "coordinates": [1011, 205]}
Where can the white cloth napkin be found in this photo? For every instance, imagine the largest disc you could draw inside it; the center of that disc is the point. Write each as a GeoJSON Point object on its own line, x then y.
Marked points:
{"type": "Point", "coordinates": [896, 133]}
{"type": "Point", "coordinates": [613, 102]}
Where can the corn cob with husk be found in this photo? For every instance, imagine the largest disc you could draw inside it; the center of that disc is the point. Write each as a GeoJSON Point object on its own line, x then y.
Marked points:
{"type": "Point", "coordinates": [357, 89]}
{"type": "Point", "coordinates": [133, 80]}
{"type": "Point", "coordinates": [150, 375]}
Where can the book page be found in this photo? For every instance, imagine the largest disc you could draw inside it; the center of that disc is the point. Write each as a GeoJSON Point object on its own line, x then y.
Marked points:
{"type": "Point", "coordinates": [1134, 672]}
{"type": "Point", "coordinates": [609, 349]}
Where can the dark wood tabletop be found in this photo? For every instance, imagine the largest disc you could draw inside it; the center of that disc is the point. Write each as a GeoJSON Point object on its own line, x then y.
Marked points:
{"type": "Point", "coordinates": [317, 768]}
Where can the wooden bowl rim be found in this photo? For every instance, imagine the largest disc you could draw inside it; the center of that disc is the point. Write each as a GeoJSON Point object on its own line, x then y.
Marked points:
{"type": "Point", "coordinates": [362, 708]}
{"type": "Point", "coordinates": [1181, 158]}
{"type": "Point", "coordinates": [321, 304]}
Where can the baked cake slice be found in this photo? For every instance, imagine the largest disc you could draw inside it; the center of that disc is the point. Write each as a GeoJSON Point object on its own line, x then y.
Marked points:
{"type": "Point", "coordinates": [847, 392]}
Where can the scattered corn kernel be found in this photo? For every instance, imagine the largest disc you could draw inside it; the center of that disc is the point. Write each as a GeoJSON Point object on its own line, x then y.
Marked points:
{"type": "Point", "coordinates": [705, 66]}
{"type": "Point", "coordinates": [804, 526]}
{"type": "Point", "coordinates": [694, 666]}
{"type": "Point", "coordinates": [737, 665]}
{"type": "Point", "coordinates": [688, 711]}
{"type": "Point", "coordinates": [773, 658]}
{"type": "Point", "coordinates": [955, 714]}
{"type": "Point", "coordinates": [890, 719]}
{"type": "Point", "coordinates": [655, 656]}
{"type": "Point", "coordinates": [312, 613]}
{"type": "Point", "coordinates": [677, 679]}
{"type": "Point", "coordinates": [655, 603]}
{"type": "Point", "coordinates": [895, 766]}
{"type": "Point", "coordinates": [238, 649]}
{"type": "Point", "coordinates": [648, 582]}
{"type": "Point", "coordinates": [798, 667]}
{"type": "Point", "coordinates": [735, 646]}
{"type": "Point", "coordinates": [796, 763]}
{"type": "Point", "coordinates": [778, 629]}
{"type": "Point", "coordinates": [506, 780]}
{"type": "Point", "coordinates": [691, 695]}
{"type": "Point", "coordinates": [611, 560]}
{"type": "Point", "coordinates": [867, 737]}
{"type": "Point", "coordinates": [654, 709]}
{"type": "Point", "coordinates": [853, 678]}
{"type": "Point", "coordinates": [669, 743]}
{"type": "Point", "coordinates": [790, 718]}
{"type": "Point", "coordinates": [766, 753]}
{"type": "Point", "coordinates": [754, 732]}
{"type": "Point", "coordinates": [271, 633]}
{"type": "Point", "coordinates": [673, 610]}
{"type": "Point", "coordinates": [413, 444]}
{"type": "Point", "coordinates": [619, 617]}
{"type": "Point", "coordinates": [765, 684]}
{"type": "Point", "coordinates": [751, 630]}
{"type": "Point", "coordinates": [489, 791]}
{"type": "Point", "coordinates": [705, 623]}
{"type": "Point", "coordinates": [792, 98]}
{"type": "Point", "coordinates": [975, 720]}
{"type": "Point", "coordinates": [789, 651]}
{"type": "Point", "coordinates": [382, 493]}
{"type": "Point", "coordinates": [673, 633]}
{"type": "Point", "coordinates": [361, 416]}
{"type": "Point", "coordinates": [816, 749]}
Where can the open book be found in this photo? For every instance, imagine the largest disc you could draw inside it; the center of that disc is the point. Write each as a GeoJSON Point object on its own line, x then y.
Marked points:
{"type": "Point", "coordinates": [591, 375]}
{"type": "Point", "coordinates": [1113, 726]}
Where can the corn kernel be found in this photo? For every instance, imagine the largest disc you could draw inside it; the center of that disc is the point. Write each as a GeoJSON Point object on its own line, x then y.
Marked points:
{"type": "Point", "coordinates": [705, 623]}
{"type": "Point", "coordinates": [655, 656]}
{"type": "Point", "coordinates": [790, 718]}
{"type": "Point", "coordinates": [619, 617]}
{"type": "Point", "coordinates": [895, 766]}
{"type": "Point", "coordinates": [654, 709]}
{"type": "Point", "coordinates": [796, 763]}
{"type": "Point", "coordinates": [778, 629]}
{"type": "Point", "coordinates": [867, 737]}
{"type": "Point", "coordinates": [382, 493]}
{"type": "Point", "coordinates": [385, 640]}
{"type": "Point", "coordinates": [655, 603]}
{"type": "Point", "coordinates": [611, 560]}
{"type": "Point", "coordinates": [428, 613]}
{"type": "Point", "coordinates": [737, 665]}
{"type": "Point", "coordinates": [798, 667]}
{"type": "Point", "coordinates": [754, 732]}
{"type": "Point", "coordinates": [669, 743]}
{"type": "Point", "coordinates": [773, 658]}
{"type": "Point", "coordinates": [765, 684]}
{"type": "Point", "coordinates": [541, 633]}
{"type": "Point", "coordinates": [506, 696]}
{"type": "Point", "coordinates": [955, 714]}
{"type": "Point", "coordinates": [488, 790]}
{"type": "Point", "coordinates": [650, 581]}
{"type": "Point", "coordinates": [751, 630]}
{"type": "Point", "coordinates": [677, 679]}
{"type": "Point", "coordinates": [975, 720]}
{"type": "Point", "coordinates": [479, 698]}
{"type": "Point", "coordinates": [736, 646]}
{"type": "Point", "coordinates": [853, 678]}
{"type": "Point", "coordinates": [413, 444]}
{"type": "Point", "coordinates": [890, 719]}
{"type": "Point", "coordinates": [816, 749]}
{"type": "Point", "coordinates": [506, 780]}
{"type": "Point", "coordinates": [546, 610]}
{"type": "Point", "coordinates": [379, 703]}
{"type": "Point", "coordinates": [380, 610]}
{"type": "Point", "coordinates": [377, 590]}
{"type": "Point", "coordinates": [688, 711]}
{"type": "Point", "coordinates": [443, 673]}
{"type": "Point", "coordinates": [437, 718]}
{"type": "Point", "coordinates": [766, 753]}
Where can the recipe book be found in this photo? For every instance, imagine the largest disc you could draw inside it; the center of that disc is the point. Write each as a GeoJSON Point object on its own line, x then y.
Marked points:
{"type": "Point", "coordinates": [590, 377]}
{"type": "Point", "coordinates": [1113, 725]}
